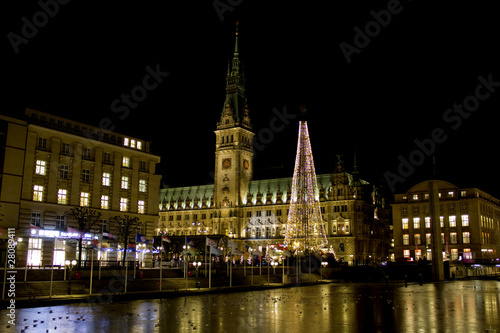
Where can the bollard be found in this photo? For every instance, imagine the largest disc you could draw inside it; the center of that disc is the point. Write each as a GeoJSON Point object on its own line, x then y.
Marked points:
{"type": "Point", "coordinates": [420, 279]}
{"type": "Point", "coordinates": [406, 281]}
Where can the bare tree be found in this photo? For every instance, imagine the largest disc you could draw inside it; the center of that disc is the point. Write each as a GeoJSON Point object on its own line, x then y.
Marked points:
{"type": "Point", "coordinates": [86, 220]}
{"type": "Point", "coordinates": [125, 226]}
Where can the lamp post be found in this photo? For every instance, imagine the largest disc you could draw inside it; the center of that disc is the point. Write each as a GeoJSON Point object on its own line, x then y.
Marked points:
{"type": "Point", "coordinates": [197, 266]}
{"type": "Point", "coordinates": [70, 264]}
{"type": "Point", "coordinates": [323, 264]}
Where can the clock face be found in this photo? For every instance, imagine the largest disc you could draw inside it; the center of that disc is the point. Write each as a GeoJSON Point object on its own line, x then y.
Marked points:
{"type": "Point", "coordinates": [226, 163]}
{"type": "Point", "coordinates": [246, 165]}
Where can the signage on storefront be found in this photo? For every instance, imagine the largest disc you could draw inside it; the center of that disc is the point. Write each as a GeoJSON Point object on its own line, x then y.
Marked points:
{"type": "Point", "coordinates": [59, 234]}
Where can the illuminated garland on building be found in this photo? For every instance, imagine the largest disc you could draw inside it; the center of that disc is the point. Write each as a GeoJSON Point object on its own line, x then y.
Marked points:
{"type": "Point", "coordinates": [305, 230]}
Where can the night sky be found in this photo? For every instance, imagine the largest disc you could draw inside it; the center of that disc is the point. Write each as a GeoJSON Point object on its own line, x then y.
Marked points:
{"type": "Point", "coordinates": [396, 88]}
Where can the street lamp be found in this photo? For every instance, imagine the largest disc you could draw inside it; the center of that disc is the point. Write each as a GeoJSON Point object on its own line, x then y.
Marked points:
{"type": "Point", "coordinates": [70, 264]}
{"type": "Point", "coordinates": [197, 266]}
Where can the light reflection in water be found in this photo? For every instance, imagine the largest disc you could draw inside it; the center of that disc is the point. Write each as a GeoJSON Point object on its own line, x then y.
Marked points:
{"type": "Point", "coordinates": [462, 306]}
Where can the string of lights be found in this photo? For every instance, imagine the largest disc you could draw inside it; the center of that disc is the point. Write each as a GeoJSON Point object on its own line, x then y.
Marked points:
{"type": "Point", "coordinates": [305, 230]}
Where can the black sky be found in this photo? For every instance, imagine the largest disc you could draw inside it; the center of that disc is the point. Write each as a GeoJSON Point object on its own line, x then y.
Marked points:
{"type": "Point", "coordinates": [396, 90]}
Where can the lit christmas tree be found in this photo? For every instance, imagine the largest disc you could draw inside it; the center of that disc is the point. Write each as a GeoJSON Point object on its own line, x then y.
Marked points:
{"type": "Point", "coordinates": [305, 230]}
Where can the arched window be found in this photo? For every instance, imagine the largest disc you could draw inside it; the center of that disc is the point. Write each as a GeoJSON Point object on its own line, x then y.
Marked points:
{"type": "Point", "coordinates": [341, 247]}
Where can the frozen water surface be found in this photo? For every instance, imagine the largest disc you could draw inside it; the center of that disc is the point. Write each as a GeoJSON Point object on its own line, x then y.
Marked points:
{"type": "Point", "coordinates": [462, 306]}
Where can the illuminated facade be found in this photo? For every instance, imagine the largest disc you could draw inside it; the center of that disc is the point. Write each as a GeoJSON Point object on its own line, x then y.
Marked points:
{"type": "Point", "coordinates": [52, 164]}
{"type": "Point", "coordinates": [255, 212]}
{"type": "Point", "coordinates": [469, 223]}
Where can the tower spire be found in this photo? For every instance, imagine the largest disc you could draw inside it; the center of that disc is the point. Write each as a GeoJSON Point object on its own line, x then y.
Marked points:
{"type": "Point", "coordinates": [236, 40]}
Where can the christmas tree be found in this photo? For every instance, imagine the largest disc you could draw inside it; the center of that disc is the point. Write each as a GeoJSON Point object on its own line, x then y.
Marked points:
{"type": "Point", "coordinates": [305, 230]}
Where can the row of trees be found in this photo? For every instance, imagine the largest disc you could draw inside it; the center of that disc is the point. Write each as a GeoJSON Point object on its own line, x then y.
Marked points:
{"type": "Point", "coordinates": [88, 220]}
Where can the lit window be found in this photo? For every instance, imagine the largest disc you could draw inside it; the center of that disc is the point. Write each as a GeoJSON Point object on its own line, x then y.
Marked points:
{"type": "Point", "coordinates": [123, 204]}
{"type": "Point", "coordinates": [465, 220]}
{"type": "Point", "coordinates": [40, 168]}
{"type": "Point", "coordinates": [454, 254]}
{"type": "Point", "coordinates": [415, 197]}
{"type": "Point", "coordinates": [104, 202]}
{"type": "Point", "coordinates": [125, 142]}
{"type": "Point", "coordinates": [450, 193]}
{"type": "Point", "coordinates": [132, 143]}
{"type": "Point", "coordinates": [428, 239]}
{"type": "Point", "coordinates": [405, 223]}
{"type": "Point", "coordinates": [453, 238]}
{"type": "Point", "coordinates": [140, 206]}
{"type": "Point", "coordinates": [417, 239]}
{"type": "Point", "coordinates": [84, 199]}
{"type": "Point", "coordinates": [416, 223]}
{"type": "Point", "coordinates": [139, 145]}
{"type": "Point", "coordinates": [125, 182]}
{"type": "Point", "coordinates": [441, 221]}
{"type": "Point", "coordinates": [126, 161]}
{"type": "Point", "coordinates": [466, 237]}
{"type": "Point", "coordinates": [142, 185]}
{"type": "Point", "coordinates": [427, 222]}
{"type": "Point", "coordinates": [406, 239]}
{"type": "Point", "coordinates": [406, 253]}
{"type": "Point", "coordinates": [453, 221]}
{"type": "Point", "coordinates": [37, 193]}
{"type": "Point", "coordinates": [106, 179]}
{"type": "Point", "coordinates": [62, 196]}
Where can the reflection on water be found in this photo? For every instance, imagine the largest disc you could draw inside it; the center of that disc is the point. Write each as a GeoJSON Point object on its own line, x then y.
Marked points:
{"type": "Point", "coordinates": [468, 306]}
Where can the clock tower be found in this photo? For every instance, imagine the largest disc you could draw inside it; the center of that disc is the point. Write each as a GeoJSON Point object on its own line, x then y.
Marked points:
{"type": "Point", "coordinates": [233, 150]}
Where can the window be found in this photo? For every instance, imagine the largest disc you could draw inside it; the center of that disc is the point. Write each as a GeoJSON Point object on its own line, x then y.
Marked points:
{"type": "Point", "coordinates": [203, 216]}
{"type": "Point", "coordinates": [452, 219]}
{"type": "Point", "coordinates": [140, 207]}
{"type": "Point", "coordinates": [40, 168]}
{"type": "Point", "coordinates": [62, 197]}
{"type": "Point", "coordinates": [86, 153]}
{"type": "Point", "coordinates": [104, 202]}
{"type": "Point", "coordinates": [85, 176]}
{"type": "Point", "coordinates": [406, 239]}
{"type": "Point", "coordinates": [35, 252]}
{"type": "Point", "coordinates": [36, 219]}
{"type": "Point", "coordinates": [59, 252]}
{"type": "Point", "coordinates": [278, 212]}
{"type": "Point", "coordinates": [170, 217]}
{"type": "Point", "coordinates": [139, 145]}
{"type": "Point", "coordinates": [107, 158]}
{"type": "Point", "coordinates": [417, 239]}
{"type": "Point", "coordinates": [405, 223]}
{"type": "Point", "coordinates": [178, 217]}
{"type": "Point", "coordinates": [259, 213]}
{"type": "Point", "coordinates": [466, 237]}
{"type": "Point", "coordinates": [427, 222]}
{"type": "Point", "coordinates": [186, 217]}
{"type": "Point", "coordinates": [65, 148]}
{"type": "Point", "coordinates": [415, 197]}
{"type": "Point", "coordinates": [106, 179]}
{"type": "Point", "coordinates": [132, 143]}
{"type": "Point", "coordinates": [268, 213]}
{"type": "Point", "coordinates": [42, 143]}
{"type": "Point", "coordinates": [453, 238]}
{"type": "Point", "coordinates": [454, 254]}
{"type": "Point", "coordinates": [406, 253]}
{"type": "Point", "coordinates": [63, 171]}
{"type": "Point", "coordinates": [142, 166]}
{"type": "Point", "coordinates": [142, 185]}
{"type": "Point", "coordinates": [428, 239]}
{"type": "Point", "coordinates": [126, 161]}
{"type": "Point", "coordinates": [125, 142]}
{"type": "Point", "coordinates": [416, 223]}
{"type": "Point", "coordinates": [61, 222]}
{"type": "Point", "coordinates": [450, 194]}
{"type": "Point", "coordinates": [123, 204]}
{"type": "Point", "coordinates": [37, 193]}
{"type": "Point", "coordinates": [125, 182]}
{"type": "Point", "coordinates": [84, 199]}
{"type": "Point", "coordinates": [441, 221]}
{"type": "Point", "coordinates": [465, 220]}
